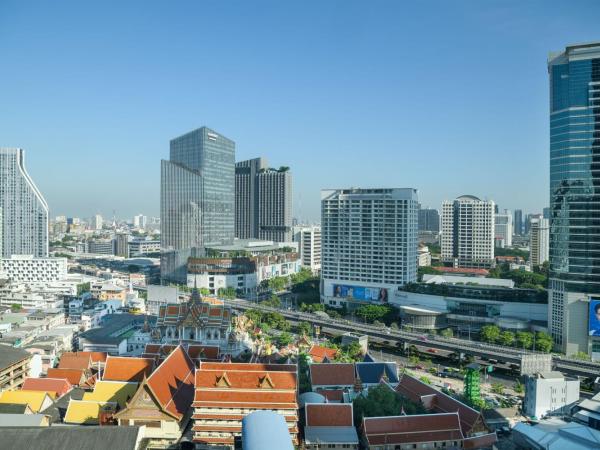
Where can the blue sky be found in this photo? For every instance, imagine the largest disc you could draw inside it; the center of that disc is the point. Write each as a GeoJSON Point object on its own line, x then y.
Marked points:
{"type": "Point", "coordinates": [449, 97]}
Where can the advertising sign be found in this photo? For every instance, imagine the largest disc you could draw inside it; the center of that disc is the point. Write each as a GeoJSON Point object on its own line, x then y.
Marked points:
{"type": "Point", "coordinates": [361, 293]}
{"type": "Point", "coordinates": [594, 323]}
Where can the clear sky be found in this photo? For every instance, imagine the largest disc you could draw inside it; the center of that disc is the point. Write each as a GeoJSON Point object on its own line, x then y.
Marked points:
{"type": "Point", "coordinates": [449, 97]}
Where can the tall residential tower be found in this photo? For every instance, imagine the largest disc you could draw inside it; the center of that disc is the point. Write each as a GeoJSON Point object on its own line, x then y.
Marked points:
{"type": "Point", "coordinates": [468, 232]}
{"type": "Point", "coordinates": [574, 278]}
{"type": "Point", "coordinates": [369, 244]}
{"type": "Point", "coordinates": [197, 199]}
{"type": "Point", "coordinates": [23, 210]}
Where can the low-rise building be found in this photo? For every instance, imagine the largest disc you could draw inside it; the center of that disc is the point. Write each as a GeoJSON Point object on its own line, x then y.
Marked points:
{"type": "Point", "coordinates": [28, 269]}
{"type": "Point", "coordinates": [112, 336]}
{"type": "Point", "coordinates": [14, 367]}
{"type": "Point", "coordinates": [549, 393]}
{"type": "Point", "coordinates": [329, 425]}
{"type": "Point", "coordinates": [555, 434]}
{"type": "Point", "coordinates": [226, 392]}
{"type": "Point", "coordinates": [141, 247]}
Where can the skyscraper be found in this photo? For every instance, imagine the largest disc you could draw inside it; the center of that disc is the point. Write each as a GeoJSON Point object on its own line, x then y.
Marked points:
{"type": "Point", "coordinates": [574, 195]}
{"type": "Point", "coordinates": [97, 222]}
{"type": "Point", "coordinates": [468, 232]}
{"type": "Point", "coordinates": [263, 201]}
{"type": "Point", "coordinates": [368, 244]}
{"type": "Point", "coordinates": [518, 216]}
{"type": "Point", "coordinates": [429, 219]}
{"type": "Point", "coordinates": [197, 199]}
{"type": "Point", "coordinates": [503, 229]}
{"type": "Point", "coordinates": [23, 208]}
{"type": "Point", "coordinates": [246, 197]}
{"type": "Point", "coordinates": [539, 240]}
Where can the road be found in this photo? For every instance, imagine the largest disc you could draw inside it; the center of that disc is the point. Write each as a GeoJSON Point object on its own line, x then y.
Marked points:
{"type": "Point", "coordinates": [403, 339]}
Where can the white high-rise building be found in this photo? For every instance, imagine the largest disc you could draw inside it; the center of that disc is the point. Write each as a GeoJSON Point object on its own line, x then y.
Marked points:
{"type": "Point", "coordinates": [539, 241]}
{"type": "Point", "coordinates": [503, 225]}
{"type": "Point", "coordinates": [24, 210]}
{"type": "Point", "coordinates": [27, 269]}
{"type": "Point", "coordinates": [369, 244]}
{"type": "Point", "coordinates": [309, 245]}
{"type": "Point", "coordinates": [140, 221]}
{"type": "Point", "coordinates": [468, 232]}
{"type": "Point", "coordinates": [97, 222]}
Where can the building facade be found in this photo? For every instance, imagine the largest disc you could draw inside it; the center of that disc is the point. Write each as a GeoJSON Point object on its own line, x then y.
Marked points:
{"type": "Point", "coordinates": [369, 244]}
{"type": "Point", "coordinates": [574, 199]}
{"type": "Point", "coordinates": [263, 201]}
{"type": "Point", "coordinates": [518, 222]}
{"type": "Point", "coordinates": [23, 209]}
{"type": "Point", "coordinates": [27, 269]}
{"type": "Point", "coordinates": [539, 241]}
{"type": "Point", "coordinates": [429, 219]}
{"type": "Point", "coordinates": [197, 198]}
{"type": "Point", "coordinates": [468, 230]}
{"type": "Point", "coordinates": [503, 229]}
{"type": "Point", "coordinates": [309, 246]}
{"type": "Point", "coordinates": [549, 393]}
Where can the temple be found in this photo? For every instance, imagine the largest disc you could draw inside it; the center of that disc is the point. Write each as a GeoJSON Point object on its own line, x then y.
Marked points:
{"type": "Point", "coordinates": [200, 320]}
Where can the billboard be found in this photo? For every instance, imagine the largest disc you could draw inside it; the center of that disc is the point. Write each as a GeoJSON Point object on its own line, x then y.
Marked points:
{"type": "Point", "coordinates": [361, 293]}
{"type": "Point", "coordinates": [594, 323]}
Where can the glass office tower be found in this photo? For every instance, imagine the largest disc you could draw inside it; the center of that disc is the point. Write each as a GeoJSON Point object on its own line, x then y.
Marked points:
{"type": "Point", "coordinates": [23, 209]}
{"type": "Point", "coordinates": [574, 195]}
{"type": "Point", "coordinates": [197, 199]}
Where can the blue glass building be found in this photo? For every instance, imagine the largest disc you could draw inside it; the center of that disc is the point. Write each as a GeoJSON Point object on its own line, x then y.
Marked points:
{"type": "Point", "coordinates": [197, 199]}
{"type": "Point", "coordinates": [574, 194]}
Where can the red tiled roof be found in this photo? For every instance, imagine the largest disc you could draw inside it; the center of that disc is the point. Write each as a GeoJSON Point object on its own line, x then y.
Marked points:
{"type": "Point", "coordinates": [482, 441]}
{"type": "Point", "coordinates": [329, 415]}
{"type": "Point", "coordinates": [59, 386]}
{"type": "Point", "coordinates": [71, 361]}
{"type": "Point", "coordinates": [412, 429]}
{"type": "Point", "coordinates": [249, 367]}
{"type": "Point", "coordinates": [468, 270]}
{"type": "Point", "coordinates": [332, 395]}
{"type": "Point", "coordinates": [172, 383]}
{"type": "Point", "coordinates": [95, 356]}
{"type": "Point", "coordinates": [203, 351]}
{"type": "Point", "coordinates": [74, 376]}
{"type": "Point", "coordinates": [415, 390]}
{"type": "Point", "coordinates": [120, 368]}
{"type": "Point", "coordinates": [319, 353]}
{"type": "Point", "coordinates": [332, 374]}
{"type": "Point", "coordinates": [245, 379]}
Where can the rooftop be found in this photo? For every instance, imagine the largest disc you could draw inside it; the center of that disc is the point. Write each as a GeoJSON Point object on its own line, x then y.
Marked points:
{"type": "Point", "coordinates": [113, 327]}
{"type": "Point", "coordinates": [11, 355]}
{"type": "Point", "coordinates": [121, 368]}
{"type": "Point", "coordinates": [332, 374]}
{"type": "Point", "coordinates": [414, 429]}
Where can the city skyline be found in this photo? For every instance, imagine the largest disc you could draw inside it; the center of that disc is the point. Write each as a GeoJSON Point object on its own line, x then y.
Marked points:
{"type": "Point", "coordinates": [318, 108]}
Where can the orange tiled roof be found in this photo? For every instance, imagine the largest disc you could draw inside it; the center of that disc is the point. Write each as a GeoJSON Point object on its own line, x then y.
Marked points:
{"type": "Point", "coordinates": [74, 376]}
{"type": "Point", "coordinates": [95, 356]}
{"type": "Point", "coordinates": [332, 395]}
{"type": "Point", "coordinates": [203, 351]}
{"type": "Point", "coordinates": [332, 374]}
{"type": "Point", "coordinates": [172, 383]}
{"type": "Point", "coordinates": [329, 415]}
{"type": "Point", "coordinates": [73, 361]}
{"type": "Point", "coordinates": [57, 386]}
{"type": "Point", "coordinates": [120, 368]}
{"type": "Point", "coordinates": [413, 429]}
{"type": "Point", "coordinates": [319, 353]}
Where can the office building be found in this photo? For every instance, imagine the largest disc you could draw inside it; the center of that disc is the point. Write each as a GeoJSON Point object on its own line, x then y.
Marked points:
{"type": "Point", "coordinates": [574, 274]}
{"type": "Point", "coordinates": [468, 230]}
{"type": "Point", "coordinates": [518, 222]}
{"type": "Point", "coordinates": [429, 219]}
{"type": "Point", "coordinates": [503, 226]}
{"type": "Point", "coordinates": [122, 245]}
{"type": "Point", "coordinates": [539, 241]}
{"type": "Point", "coordinates": [263, 201]}
{"type": "Point", "coordinates": [101, 247]}
{"type": "Point", "coordinates": [197, 199]}
{"type": "Point", "coordinates": [546, 213]}
{"type": "Point", "coordinates": [309, 245]}
{"type": "Point", "coordinates": [96, 222]}
{"type": "Point", "coordinates": [369, 244]}
{"type": "Point", "coordinates": [24, 210]}
{"type": "Point", "coordinates": [140, 247]}
{"type": "Point", "coordinates": [549, 393]}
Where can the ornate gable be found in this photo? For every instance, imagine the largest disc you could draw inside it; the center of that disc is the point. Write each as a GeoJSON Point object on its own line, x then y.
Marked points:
{"type": "Point", "coordinates": [143, 406]}
{"type": "Point", "coordinates": [266, 382]}
{"type": "Point", "coordinates": [223, 381]}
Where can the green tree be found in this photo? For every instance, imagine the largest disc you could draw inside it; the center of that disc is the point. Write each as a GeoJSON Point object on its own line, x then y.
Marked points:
{"type": "Point", "coordinates": [381, 401]}
{"type": "Point", "coordinates": [82, 288]}
{"type": "Point", "coordinates": [204, 291]}
{"type": "Point", "coordinates": [447, 332]}
{"type": "Point", "coordinates": [274, 302]}
{"type": "Point", "coordinates": [372, 313]}
{"type": "Point", "coordinates": [489, 333]}
{"type": "Point", "coordinates": [543, 342]}
{"type": "Point", "coordinates": [304, 328]}
{"type": "Point", "coordinates": [524, 339]}
{"type": "Point", "coordinates": [284, 339]}
{"type": "Point", "coordinates": [507, 338]}
{"type": "Point", "coordinates": [413, 360]}
{"type": "Point", "coordinates": [583, 356]}
{"type": "Point", "coordinates": [278, 283]}
{"type": "Point", "coordinates": [425, 379]}
{"type": "Point", "coordinates": [228, 293]}
{"type": "Point", "coordinates": [16, 307]}
{"type": "Point", "coordinates": [497, 388]}
{"type": "Point", "coordinates": [518, 387]}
